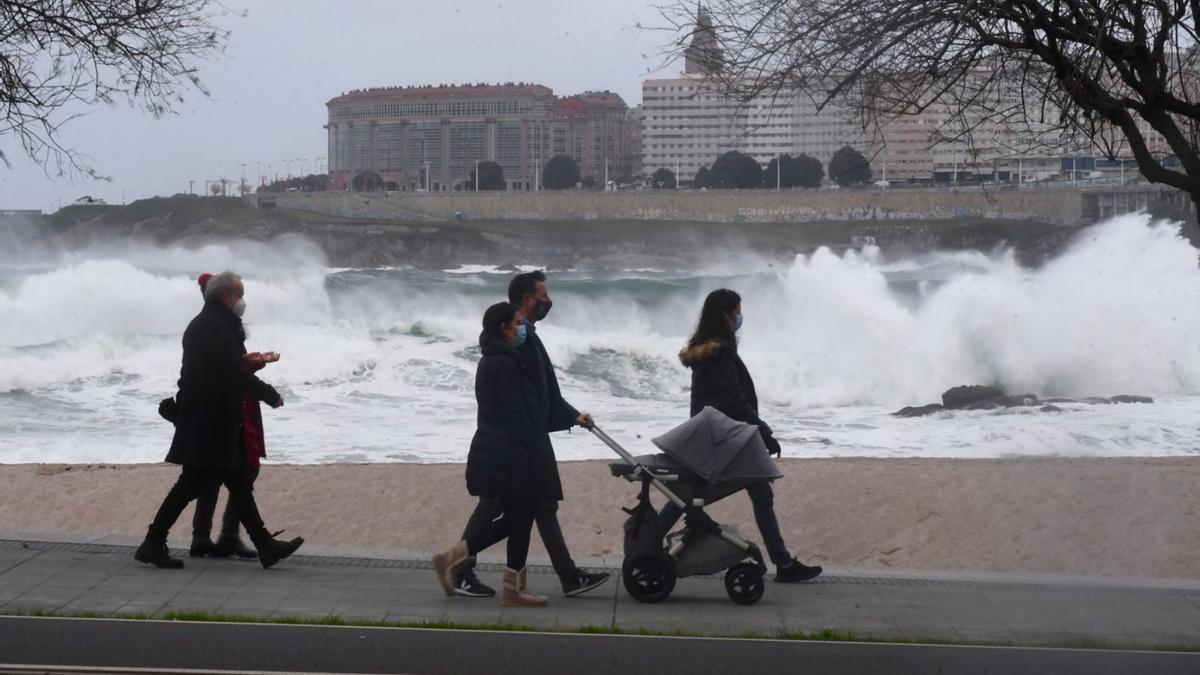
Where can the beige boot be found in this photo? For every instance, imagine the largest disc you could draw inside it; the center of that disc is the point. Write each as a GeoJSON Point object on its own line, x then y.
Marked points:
{"type": "Point", "coordinates": [447, 565]}
{"type": "Point", "coordinates": [514, 594]}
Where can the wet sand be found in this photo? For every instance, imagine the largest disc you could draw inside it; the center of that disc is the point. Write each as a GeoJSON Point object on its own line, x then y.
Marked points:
{"type": "Point", "coordinates": [1109, 517]}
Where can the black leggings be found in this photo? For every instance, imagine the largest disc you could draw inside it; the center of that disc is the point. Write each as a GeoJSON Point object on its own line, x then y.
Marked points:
{"type": "Point", "coordinates": [191, 484]}
{"type": "Point", "coordinates": [206, 506]}
{"type": "Point", "coordinates": [516, 524]}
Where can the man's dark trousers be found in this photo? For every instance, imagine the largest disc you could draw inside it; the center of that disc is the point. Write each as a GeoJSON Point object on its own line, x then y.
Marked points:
{"type": "Point", "coordinates": [546, 517]}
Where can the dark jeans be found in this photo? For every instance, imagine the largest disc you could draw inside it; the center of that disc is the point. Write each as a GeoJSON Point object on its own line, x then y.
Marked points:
{"type": "Point", "coordinates": [516, 524]}
{"type": "Point", "coordinates": [545, 515]}
{"type": "Point", "coordinates": [763, 499]}
{"type": "Point", "coordinates": [206, 506]}
{"type": "Point", "coordinates": [192, 482]}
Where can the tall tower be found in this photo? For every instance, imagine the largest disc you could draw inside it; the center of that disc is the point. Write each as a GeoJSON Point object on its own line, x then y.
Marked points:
{"type": "Point", "coordinates": [704, 55]}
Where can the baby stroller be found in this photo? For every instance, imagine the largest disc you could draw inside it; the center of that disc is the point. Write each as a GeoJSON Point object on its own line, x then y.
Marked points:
{"type": "Point", "coordinates": [707, 458]}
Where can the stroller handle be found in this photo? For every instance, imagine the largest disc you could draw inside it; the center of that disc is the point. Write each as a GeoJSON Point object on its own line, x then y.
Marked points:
{"type": "Point", "coordinates": [669, 494]}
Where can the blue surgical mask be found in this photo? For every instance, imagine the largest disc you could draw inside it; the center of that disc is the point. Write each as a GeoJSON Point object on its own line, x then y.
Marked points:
{"type": "Point", "coordinates": [522, 333]}
{"type": "Point", "coordinates": [737, 323]}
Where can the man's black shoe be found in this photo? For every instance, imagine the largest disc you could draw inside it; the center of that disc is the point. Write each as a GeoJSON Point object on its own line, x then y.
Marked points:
{"type": "Point", "coordinates": [227, 546]}
{"type": "Point", "coordinates": [470, 586]}
{"type": "Point", "coordinates": [272, 551]}
{"type": "Point", "coordinates": [202, 547]}
{"type": "Point", "coordinates": [157, 554]}
{"type": "Point", "coordinates": [583, 581]}
{"type": "Point", "coordinates": [797, 572]}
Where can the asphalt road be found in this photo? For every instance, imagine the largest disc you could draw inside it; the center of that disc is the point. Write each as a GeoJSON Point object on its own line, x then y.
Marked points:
{"type": "Point", "coordinates": [257, 647]}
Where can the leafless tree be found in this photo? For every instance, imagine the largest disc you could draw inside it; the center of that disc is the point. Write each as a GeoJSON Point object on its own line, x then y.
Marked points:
{"type": "Point", "coordinates": [58, 58]}
{"type": "Point", "coordinates": [1117, 74]}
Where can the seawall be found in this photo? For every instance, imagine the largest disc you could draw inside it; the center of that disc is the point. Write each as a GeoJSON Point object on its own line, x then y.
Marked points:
{"type": "Point", "coordinates": [1070, 207]}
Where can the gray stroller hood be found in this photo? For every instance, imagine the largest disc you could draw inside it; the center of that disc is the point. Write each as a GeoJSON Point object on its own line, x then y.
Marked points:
{"type": "Point", "coordinates": [719, 449]}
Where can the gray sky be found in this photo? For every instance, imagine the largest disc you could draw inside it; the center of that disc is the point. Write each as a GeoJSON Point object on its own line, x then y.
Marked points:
{"type": "Point", "coordinates": [287, 58]}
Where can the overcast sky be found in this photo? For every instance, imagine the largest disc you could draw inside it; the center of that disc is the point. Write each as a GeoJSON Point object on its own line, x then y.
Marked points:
{"type": "Point", "coordinates": [286, 58]}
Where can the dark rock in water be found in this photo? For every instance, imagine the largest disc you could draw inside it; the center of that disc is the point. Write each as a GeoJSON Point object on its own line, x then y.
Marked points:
{"type": "Point", "coordinates": [1100, 400]}
{"type": "Point", "coordinates": [919, 411]}
{"type": "Point", "coordinates": [1129, 398]}
{"type": "Point", "coordinates": [980, 397]}
{"type": "Point", "coordinates": [966, 395]}
{"type": "Point", "coordinates": [1018, 401]}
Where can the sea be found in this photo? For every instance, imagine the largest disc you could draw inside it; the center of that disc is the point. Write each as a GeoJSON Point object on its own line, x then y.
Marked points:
{"type": "Point", "coordinates": [378, 364]}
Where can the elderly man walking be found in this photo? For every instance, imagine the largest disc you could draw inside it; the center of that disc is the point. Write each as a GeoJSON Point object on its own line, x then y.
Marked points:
{"type": "Point", "coordinates": [209, 439]}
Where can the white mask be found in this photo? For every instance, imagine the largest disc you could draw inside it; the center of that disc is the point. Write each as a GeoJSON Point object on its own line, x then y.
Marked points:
{"type": "Point", "coordinates": [239, 307]}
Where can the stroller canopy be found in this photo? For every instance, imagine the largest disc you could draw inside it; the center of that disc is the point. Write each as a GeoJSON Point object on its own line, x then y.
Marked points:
{"type": "Point", "coordinates": [718, 448]}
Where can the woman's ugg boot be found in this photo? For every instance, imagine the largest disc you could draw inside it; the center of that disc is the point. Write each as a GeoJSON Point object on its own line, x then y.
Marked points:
{"type": "Point", "coordinates": [514, 594]}
{"type": "Point", "coordinates": [448, 564]}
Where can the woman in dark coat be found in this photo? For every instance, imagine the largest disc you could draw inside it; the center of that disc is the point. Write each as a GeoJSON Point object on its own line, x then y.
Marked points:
{"type": "Point", "coordinates": [720, 379]}
{"type": "Point", "coordinates": [510, 458]}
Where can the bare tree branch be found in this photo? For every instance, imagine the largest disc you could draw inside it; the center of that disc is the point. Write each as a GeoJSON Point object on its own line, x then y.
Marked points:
{"type": "Point", "coordinates": [60, 57]}
{"type": "Point", "coordinates": [1117, 75]}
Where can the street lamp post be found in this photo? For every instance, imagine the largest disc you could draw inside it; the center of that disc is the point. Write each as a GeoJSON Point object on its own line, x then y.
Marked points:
{"type": "Point", "coordinates": [477, 175]}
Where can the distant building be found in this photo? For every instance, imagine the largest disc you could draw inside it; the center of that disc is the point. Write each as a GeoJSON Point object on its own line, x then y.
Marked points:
{"type": "Point", "coordinates": [689, 120]}
{"type": "Point", "coordinates": [633, 142]}
{"type": "Point", "coordinates": [703, 55]}
{"type": "Point", "coordinates": [593, 128]}
{"type": "Point", "coordinates": [430, 137]}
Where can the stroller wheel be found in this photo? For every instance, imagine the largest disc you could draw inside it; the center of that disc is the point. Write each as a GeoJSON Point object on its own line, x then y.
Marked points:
{"type": "Point", "coordinates": [744, 583]}
{"type": "Point", "coordinates": [649, 577]}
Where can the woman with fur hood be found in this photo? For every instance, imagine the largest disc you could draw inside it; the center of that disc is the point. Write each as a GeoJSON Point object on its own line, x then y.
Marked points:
{"type": "Point", "coordinates": [720, 379]}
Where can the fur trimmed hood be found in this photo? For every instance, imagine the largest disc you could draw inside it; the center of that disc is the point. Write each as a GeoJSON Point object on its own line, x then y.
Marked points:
{"type": "Point", "coordinates": [690, 356]}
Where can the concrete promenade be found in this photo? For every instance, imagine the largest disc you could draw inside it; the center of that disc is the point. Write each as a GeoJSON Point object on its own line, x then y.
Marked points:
{"type": "Point", "coordinates": [97, 575]}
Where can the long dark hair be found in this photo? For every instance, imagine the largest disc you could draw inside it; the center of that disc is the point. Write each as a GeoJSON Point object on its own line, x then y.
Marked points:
{"type": "Point", "coordinates": [496, 318]}
{"type": "Point", "coordinates": [714, 318]}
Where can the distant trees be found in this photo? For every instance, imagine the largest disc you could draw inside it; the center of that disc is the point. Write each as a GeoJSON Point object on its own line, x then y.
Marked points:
{"type": "Point", "coordinates": [560, 173]}
{"type": "Point", "coordinates": [789, 172]}
{"type": "Point", "coordinates": [849, 167]}
{"type": "Point", "coordinates": [663, 179]}
{"type": "Point", "coordinates": [317, 182]}
{"type": "Point", "coordinates": [588, 183]}
{"type": "Point", "coordinates": [702, 178]}
{"type": "Point", "coordinates": [734, 170]}
{"type": "Point", "coordinates": [367, 181]}
{"type": "Point", "coordinates": [491, 177]}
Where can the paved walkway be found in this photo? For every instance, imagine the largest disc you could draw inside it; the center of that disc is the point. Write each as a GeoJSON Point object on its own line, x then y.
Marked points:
{"type": "Point", "coordinates": [80, 574]}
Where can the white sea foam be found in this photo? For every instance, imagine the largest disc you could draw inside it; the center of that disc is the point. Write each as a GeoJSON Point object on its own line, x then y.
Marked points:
{"type": "Point", "coordinates": [378, 364]}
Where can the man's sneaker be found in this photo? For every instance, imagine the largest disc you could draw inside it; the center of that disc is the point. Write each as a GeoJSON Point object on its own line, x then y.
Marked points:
{"type": "Point", "coordinates": [796, 572]}
{"type": "Point", "coordinates": [583, 581]}
{"type": "Point", "coordinates": [470, 586]}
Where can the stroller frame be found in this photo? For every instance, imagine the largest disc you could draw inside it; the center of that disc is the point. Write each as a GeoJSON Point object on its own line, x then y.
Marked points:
{"type": "Point", "coordinates": [650, 569]}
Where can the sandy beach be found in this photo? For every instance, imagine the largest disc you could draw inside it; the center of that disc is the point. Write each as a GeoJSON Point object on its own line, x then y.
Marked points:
{"type": "Point", "coordinates": [1108, 517]}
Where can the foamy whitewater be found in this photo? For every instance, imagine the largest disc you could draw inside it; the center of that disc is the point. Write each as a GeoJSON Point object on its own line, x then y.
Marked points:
{"type": "Point", "coordinates": [378, 364]}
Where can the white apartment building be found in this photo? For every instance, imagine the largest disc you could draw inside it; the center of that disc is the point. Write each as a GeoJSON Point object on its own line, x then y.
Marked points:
{"type": "Point", "coordinates": [687, 122]}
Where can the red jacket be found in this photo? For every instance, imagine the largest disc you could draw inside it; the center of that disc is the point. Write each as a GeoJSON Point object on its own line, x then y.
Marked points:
{"type": "Point", "coordinates": [252, 428]}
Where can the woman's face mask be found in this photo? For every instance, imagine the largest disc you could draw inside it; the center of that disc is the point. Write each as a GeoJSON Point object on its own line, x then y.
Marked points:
{"type": "Point", "coordinates": [737, 323]}
{"type": "Point", "coordinates": [522, 333]}
{"type": "Point", "coordinates": [239, 307]}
